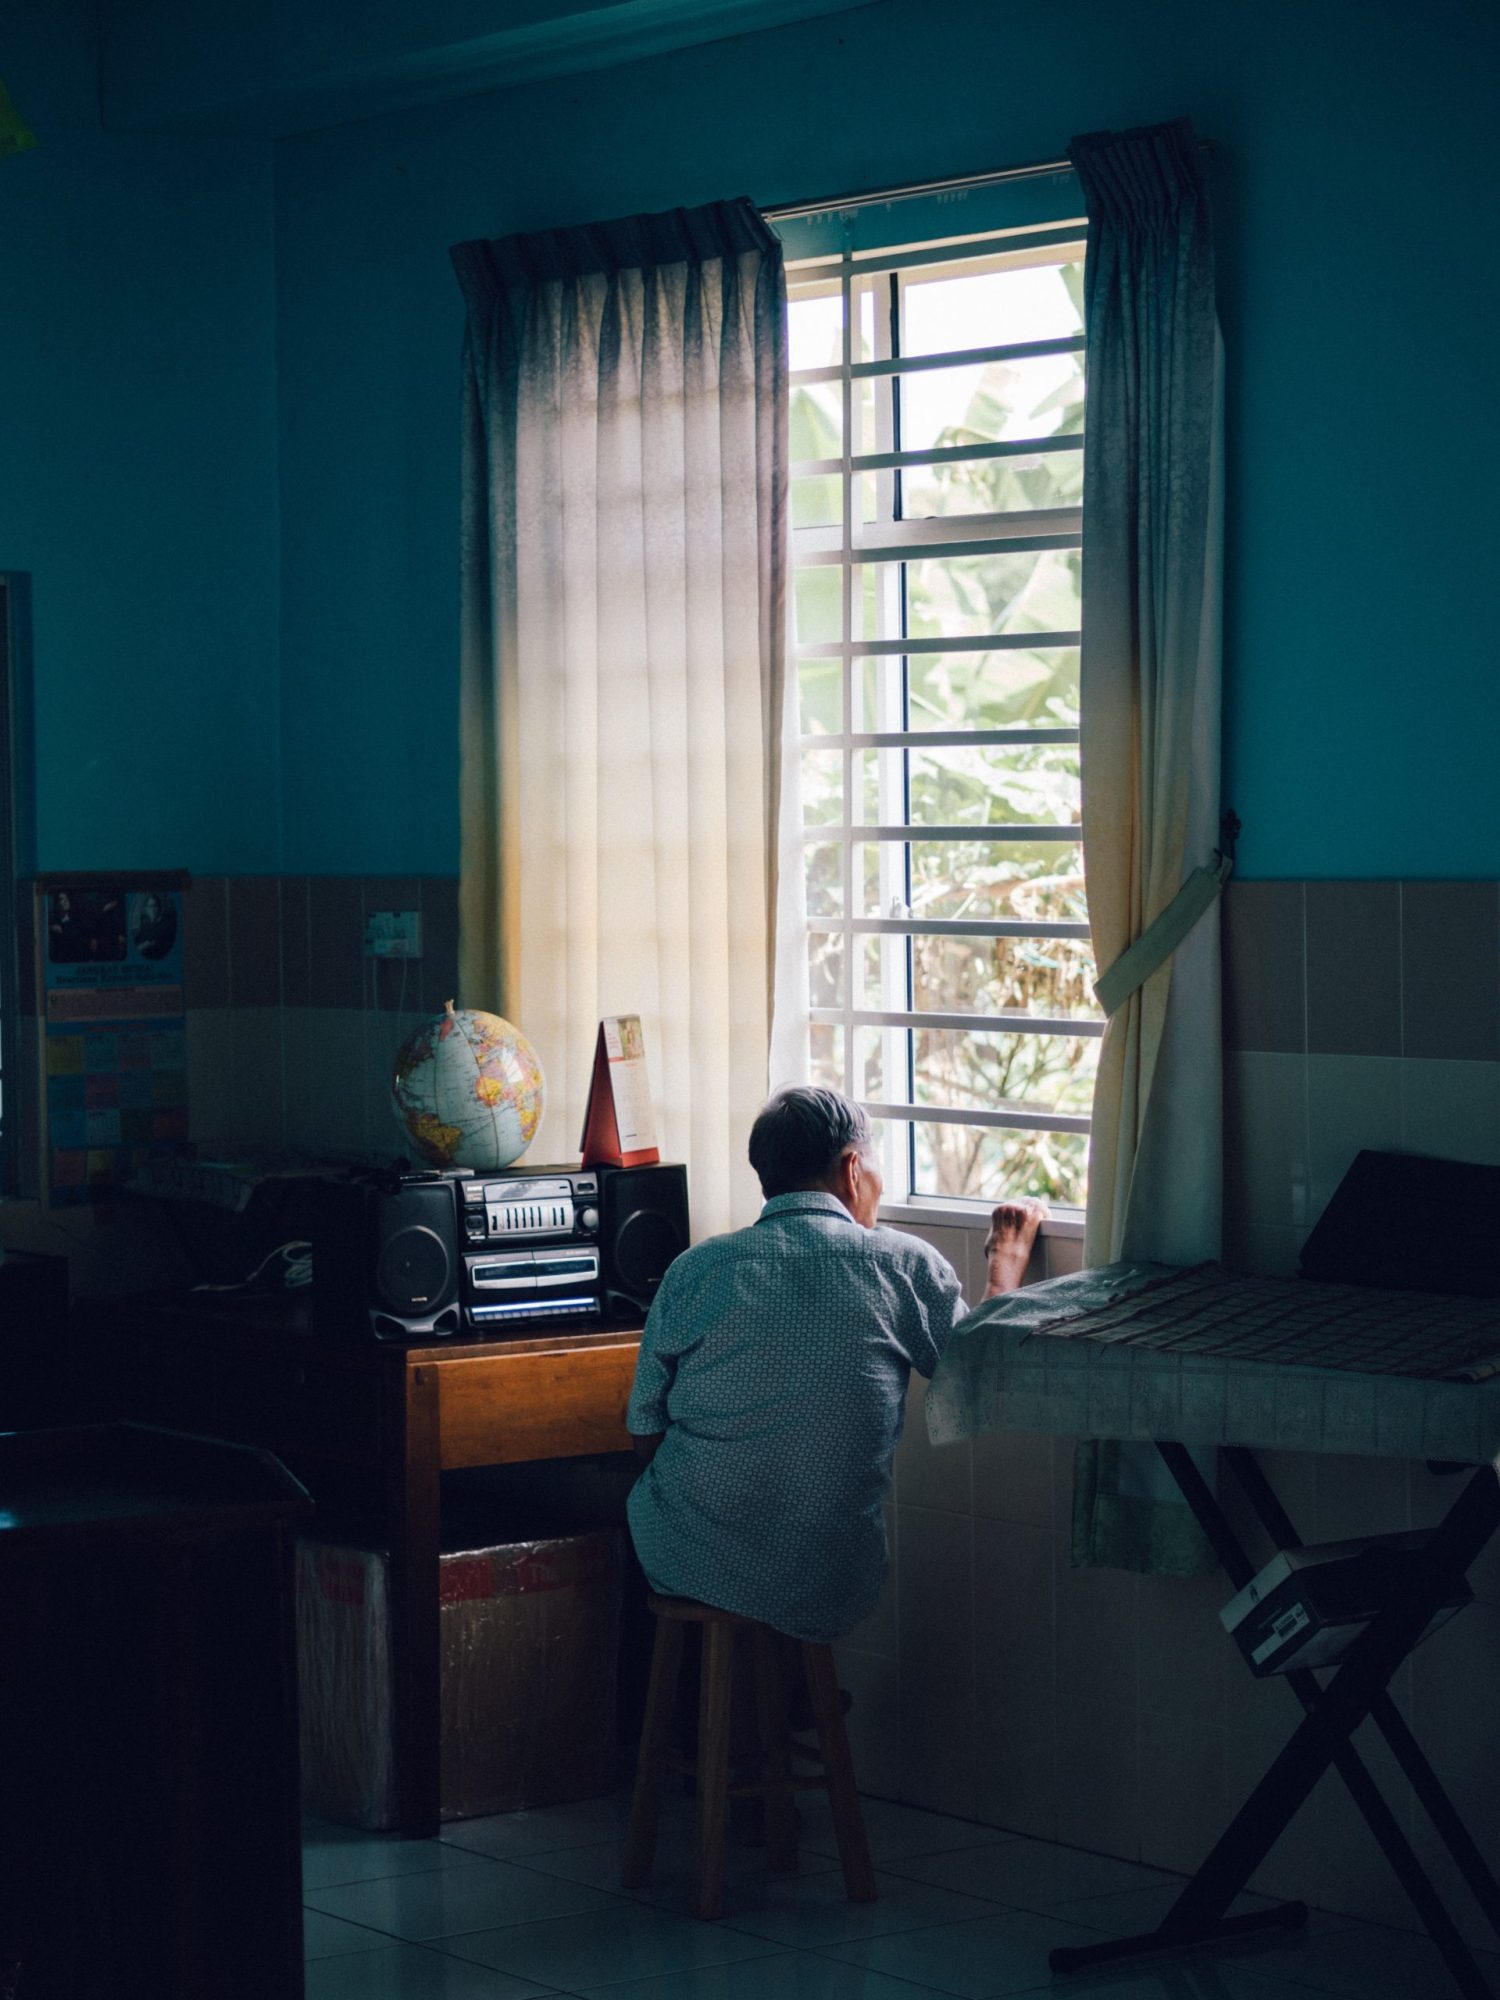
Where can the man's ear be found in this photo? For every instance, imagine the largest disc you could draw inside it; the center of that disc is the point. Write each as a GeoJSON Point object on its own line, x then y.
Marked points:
{"type": "Point", "coordinates": [847, 1176]}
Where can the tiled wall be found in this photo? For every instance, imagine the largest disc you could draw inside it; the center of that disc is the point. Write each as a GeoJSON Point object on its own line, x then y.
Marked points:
{"type": "Point", "coordinates": [1108, 1710]}
{"type": "Point", "coordinates": [292, 1030]}
{"type": "Point", "coordinates": [291, 1036]}
{"type": "Point", "coordinates": [1356, 1014]}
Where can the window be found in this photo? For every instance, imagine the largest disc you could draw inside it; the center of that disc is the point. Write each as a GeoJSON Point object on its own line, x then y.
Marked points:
{"type": "Point", "coordinates": [937, 479]}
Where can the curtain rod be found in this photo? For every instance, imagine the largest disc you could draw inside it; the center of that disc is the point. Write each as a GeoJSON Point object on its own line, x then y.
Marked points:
{"type": "Point", "coordinates": [783, 211]}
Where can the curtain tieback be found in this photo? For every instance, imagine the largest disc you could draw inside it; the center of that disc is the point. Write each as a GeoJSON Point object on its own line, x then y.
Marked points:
{"type": "Point", "coordinates": [1161, 938]}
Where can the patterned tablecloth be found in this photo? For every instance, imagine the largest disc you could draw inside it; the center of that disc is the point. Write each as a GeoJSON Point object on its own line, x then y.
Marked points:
{"type": "Point", "coordinates": [1152, 1351]}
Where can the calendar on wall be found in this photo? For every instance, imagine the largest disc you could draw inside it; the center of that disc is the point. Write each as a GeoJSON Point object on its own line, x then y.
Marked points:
{"type": "Point", "coordinates": [109, 953]}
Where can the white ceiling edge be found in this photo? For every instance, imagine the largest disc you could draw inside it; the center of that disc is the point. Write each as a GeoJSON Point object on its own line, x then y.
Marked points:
{"type": "Point", "coordinates": [144, 94]}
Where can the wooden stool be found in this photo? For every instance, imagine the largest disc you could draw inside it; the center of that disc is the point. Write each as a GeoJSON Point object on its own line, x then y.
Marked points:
{"type": "Point", "coordinates": [834, 1772]}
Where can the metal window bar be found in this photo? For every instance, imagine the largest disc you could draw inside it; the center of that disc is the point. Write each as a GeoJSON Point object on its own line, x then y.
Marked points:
{"type": "Point", "coordinates": [957, 254]}
{"type": "Point", "coordinates": [947, 454]}
{"type": "Point", "coordinates": [956, 357]}
{"type": "Point", "coordinates": [992, 1024]}
{"type": "Point", "coordinates": [993, 642]}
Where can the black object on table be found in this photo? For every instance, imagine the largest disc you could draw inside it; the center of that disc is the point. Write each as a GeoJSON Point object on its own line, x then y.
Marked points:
{"type": "Point", "coordinates": [149, 1813]}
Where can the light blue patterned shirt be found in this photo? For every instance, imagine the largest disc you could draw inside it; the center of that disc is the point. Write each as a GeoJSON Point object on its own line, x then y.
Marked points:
{"type": "Point", "coordinates": [776, 1361]}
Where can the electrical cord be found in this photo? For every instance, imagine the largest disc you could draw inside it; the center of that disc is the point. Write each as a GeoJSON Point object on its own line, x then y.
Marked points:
{"type": "Point", "coordinates": [296, 1259]}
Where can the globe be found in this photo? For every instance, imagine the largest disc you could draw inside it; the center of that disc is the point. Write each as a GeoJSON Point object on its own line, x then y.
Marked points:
{"type": "Point", "coordinates": [468, 1090]}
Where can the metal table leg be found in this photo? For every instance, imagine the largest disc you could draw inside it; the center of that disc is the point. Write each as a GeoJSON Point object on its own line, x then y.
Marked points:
{"type": "Point", "coordinates": [1332, 1712]}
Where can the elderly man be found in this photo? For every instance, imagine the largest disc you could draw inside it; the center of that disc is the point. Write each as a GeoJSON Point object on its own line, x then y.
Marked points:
{"type": "Point", "coordinates": [771, 1386]}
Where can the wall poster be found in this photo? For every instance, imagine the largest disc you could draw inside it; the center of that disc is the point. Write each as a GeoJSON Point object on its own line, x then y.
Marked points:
{"type": "Point", "coordinates": [114, 1076]}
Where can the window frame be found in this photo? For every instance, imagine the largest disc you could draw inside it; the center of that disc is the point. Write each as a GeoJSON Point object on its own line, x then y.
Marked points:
{"type": "Point", "coordinates": [850, 545]}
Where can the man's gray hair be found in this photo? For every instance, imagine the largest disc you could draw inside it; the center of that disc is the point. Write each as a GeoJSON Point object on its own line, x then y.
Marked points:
{"type": "Point", "coordinates": [799, 1136]}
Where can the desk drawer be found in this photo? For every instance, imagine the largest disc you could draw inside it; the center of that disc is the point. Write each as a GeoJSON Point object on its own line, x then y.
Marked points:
{"type": "Point", "coordinates": [506, 1408]}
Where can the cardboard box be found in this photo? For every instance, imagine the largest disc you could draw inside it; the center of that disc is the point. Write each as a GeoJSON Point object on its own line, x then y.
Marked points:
{"type": "Point", "coordinates": [530, 1644]}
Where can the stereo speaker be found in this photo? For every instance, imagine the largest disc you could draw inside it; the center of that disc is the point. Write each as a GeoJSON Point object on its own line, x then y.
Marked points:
{"type": "Point", "coordinates": [387, 1262]}
{"type": "Point", "coordinates": [643, 1225]}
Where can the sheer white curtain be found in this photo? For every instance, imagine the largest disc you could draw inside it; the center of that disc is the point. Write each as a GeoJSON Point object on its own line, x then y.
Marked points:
{"type": "Point", "coordinates": [624, 663]}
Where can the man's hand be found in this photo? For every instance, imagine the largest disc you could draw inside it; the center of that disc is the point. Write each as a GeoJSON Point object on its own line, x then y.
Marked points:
{"type": "Point", "coordinates": [645, 1447]}
{"type": "Point", "coordinates": [1007, 1248]}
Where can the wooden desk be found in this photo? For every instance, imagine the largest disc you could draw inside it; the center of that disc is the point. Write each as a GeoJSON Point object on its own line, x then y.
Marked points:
{"type": "Point", "coordinates": [252, 1371]}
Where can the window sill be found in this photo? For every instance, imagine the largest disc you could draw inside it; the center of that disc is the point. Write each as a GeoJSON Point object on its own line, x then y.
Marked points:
{"type": "Point", "coordinates": [1063, 1222]}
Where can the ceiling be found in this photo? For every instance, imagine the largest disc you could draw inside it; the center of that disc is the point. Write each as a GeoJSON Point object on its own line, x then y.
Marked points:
{"type": "Point", "coordinates": [269, 68]}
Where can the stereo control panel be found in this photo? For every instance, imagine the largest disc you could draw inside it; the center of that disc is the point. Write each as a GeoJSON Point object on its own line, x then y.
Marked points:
{"type": "Point", "coordinates": [536, 1205]}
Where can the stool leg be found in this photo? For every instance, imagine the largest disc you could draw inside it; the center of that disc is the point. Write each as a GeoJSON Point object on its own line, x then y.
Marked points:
{"type": "Point", "coordinates": [776, 1762]}
{"type": "Point", "coordinates": [713, 1763]}
{"type": "Point", "coordinates": [843, 1796]}
{"type": "Point", "coordinates": [651, 1768]}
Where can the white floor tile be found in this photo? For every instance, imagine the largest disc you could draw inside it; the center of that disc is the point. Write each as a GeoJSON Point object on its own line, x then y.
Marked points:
{"type": "Point", "coordinates": [813, 1913]}
{"type": "Point", "coordinates": [550, 1827]}
{"type": "Point", "coordinates": [1031, 1874]}
{"type": "Point", "coordinates": [413, 1972]}
{"type": "Point", "coordinates": [1364, 1961]}
{"type": "Point", "coordinates": [794, 1976]}
{"type": "Point", "coordinates": [607, 1946]}
{"type": "Point", "coordinates": [674, 1867]}
{"type": "Point", "coordinates": [332, 1858]}
{"type": "Point", "coordinates": [998, 1957]}
{"type": "Point", "coordinates": [450, 1901]}
{"type": "Point", "coordinates": [330, 1937]}
{"type": "Point", "coordinates": [896, 1832]}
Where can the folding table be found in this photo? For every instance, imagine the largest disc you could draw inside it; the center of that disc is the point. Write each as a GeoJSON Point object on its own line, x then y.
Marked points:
{"type": "Point", "coordinates": [1190, 1358]}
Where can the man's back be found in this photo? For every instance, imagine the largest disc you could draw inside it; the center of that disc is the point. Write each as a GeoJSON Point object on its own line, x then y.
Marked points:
{"type": "Point", "coordinates": [776, 1362]}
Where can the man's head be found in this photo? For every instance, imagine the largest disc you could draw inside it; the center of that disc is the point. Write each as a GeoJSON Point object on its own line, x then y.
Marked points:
{"type": "Point", "coordinates": [815, 1139]}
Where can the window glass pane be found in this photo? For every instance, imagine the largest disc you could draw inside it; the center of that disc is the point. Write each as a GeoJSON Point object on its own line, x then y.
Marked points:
{"type": "Point", "coordinates": [986, 1164]}
{"type": "Point", "coordinates": [953, 597]}
{"type": "Point", "coordinates": [815, 415]}
{"type": "Point", "coordinates": [994, 690]}
{"type": "Point", "coordinates": [825, 879]}
{"type": "Point", "coordinates": [1001, 1072]}
{"type": "Point", "coordinates": [815, 329]}
{"type": "Point", "coordinates": [825, 970]}
{"type": "Point", "coordinates": [820, 687]}
{"type": "Point", "coordinates": [822, 787]}
{"type": "Point", "coordinates": [992, 485]}
{"type": "Point", "coordinates": [878, 1055]}
{"type": "Point", "coordinates": [975, 975]}
{"type": "Point", "coordinates": [1034, 784]}
{"type": "Point", "coordinates": [827, 1055]}
{"type": "Point", "coordinates": [942, 314]}
{"type": "Point", "coordinates": [990, 402]}
{"type": "Point", "coordinates": [817, 605]}
{"type": "Point", "coordinates": [980, 881]}
{"type": "Point", "coordinates": [818, 500]}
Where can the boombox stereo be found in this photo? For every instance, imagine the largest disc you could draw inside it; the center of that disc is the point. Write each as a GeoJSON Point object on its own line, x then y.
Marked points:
{"type": "Point", "coordinates": [424, 1256]}
{"type": "Point", "coordinates": [385, 1257]}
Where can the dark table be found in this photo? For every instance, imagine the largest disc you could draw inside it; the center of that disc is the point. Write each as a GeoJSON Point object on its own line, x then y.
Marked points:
{"type": "Point", "coordinates": [252, 1370]}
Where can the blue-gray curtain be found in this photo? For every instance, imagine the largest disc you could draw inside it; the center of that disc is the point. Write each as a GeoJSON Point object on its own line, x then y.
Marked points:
{"type": "Point", "coordinates": [1150, 750]}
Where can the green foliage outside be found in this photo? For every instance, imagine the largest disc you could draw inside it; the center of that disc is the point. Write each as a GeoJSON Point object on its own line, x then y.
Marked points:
{"type": "Point", "coordinates": [992, 879]}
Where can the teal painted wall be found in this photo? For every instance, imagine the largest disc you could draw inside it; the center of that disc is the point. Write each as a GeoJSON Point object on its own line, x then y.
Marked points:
{"type": "Point", "coordinates": [137, 436]}
{"type": "Point", "coordinates": [1354, 163]}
